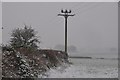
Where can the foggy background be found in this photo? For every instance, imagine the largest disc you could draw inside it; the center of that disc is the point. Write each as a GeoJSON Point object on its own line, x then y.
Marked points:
{"type": "Point", "coordinates": [0, 22]}
{"type": "Point", "coordinates": [93, 31]}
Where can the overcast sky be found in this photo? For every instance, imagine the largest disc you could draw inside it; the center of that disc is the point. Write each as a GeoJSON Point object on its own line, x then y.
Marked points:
{"type": "Point", "coordinates": [94, 26]}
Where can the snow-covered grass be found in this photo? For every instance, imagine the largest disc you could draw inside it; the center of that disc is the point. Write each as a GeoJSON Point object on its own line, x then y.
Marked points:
{"type": "Point", "coordinates": [86, 68]}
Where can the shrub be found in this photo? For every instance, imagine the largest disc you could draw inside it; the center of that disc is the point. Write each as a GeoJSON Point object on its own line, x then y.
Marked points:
{"type": "Point", "coordinates": [25, 37]}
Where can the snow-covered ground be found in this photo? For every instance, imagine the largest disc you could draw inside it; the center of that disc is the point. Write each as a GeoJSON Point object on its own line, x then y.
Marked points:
{"type": "Point", "coordinates": [86, 68]}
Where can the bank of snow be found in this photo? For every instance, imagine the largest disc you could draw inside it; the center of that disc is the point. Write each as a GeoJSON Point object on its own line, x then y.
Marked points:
{"type": "Point", "coordinates": [85, 69]}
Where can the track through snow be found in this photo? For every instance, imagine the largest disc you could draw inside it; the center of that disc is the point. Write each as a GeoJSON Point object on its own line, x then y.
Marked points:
{"type": "Point", "coordinates": [86, 68]}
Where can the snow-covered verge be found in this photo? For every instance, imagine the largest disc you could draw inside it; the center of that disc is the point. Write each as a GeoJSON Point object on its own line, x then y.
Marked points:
{"type": "Point", "coordinates": [23, 63]}
{"type": "Point", "coordinates": [86, 68]}
{"type": "Point", "coordinates": [54, 64]}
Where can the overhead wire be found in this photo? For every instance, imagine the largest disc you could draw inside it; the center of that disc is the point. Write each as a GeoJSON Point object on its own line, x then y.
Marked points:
{"type": "Point", "coordinates": [78, 4]}
{"type": "Point", "coordinates": [78, 13]}
{"type": "Point", "coordinates": [53, 19]}
{"type": "Point", "coordinates": [89, 8]}
{"type": "Point", "coordinates": [82, 8]}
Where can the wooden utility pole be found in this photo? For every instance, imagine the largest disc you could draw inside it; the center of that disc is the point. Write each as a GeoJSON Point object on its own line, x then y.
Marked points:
{"type": "Point", "coordinates": [66, 14]}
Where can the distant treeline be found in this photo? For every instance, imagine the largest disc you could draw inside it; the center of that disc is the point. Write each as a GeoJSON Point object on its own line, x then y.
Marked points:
{"type": "Point", "coordinates": [80, 57]}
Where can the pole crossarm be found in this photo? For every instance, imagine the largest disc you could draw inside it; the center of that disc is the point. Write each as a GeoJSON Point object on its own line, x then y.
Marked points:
{"type": "Point", "coordinates": [65, 15]}
{"type": "Point", "coordinates": [72, 15]}
{"type": "Point", "coordinates": [61, 14]}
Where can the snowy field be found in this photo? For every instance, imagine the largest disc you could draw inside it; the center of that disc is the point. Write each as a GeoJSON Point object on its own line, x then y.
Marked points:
{"type": "Point", "coordinates": [86, 68]}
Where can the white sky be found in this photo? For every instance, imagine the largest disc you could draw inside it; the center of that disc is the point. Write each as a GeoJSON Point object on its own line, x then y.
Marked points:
{"type": "Point", "coordinates": [93, 28]}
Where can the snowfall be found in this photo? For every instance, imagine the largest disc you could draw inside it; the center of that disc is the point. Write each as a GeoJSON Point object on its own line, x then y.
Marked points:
{"type": "Point", "coordinates": [85, 68]}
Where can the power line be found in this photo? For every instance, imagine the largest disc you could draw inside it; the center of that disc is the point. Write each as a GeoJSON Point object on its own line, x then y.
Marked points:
{"type": "Point", "coordinates": [88, 9]}
{"type": "Point", "coordinates": [77, 12]}
{"type": "Point", "coordinates": [53, 19]}
{"type": "Point", "coordinates": [82, 6]}
{"type": "Point", "coordinates": [85, 10]}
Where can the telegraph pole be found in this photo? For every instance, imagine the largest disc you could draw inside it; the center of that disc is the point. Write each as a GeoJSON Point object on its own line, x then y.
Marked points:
{"type": "Point", "coordinates": [66, 14]}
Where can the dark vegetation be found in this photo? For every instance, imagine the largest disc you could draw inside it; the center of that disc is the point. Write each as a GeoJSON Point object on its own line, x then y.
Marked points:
{"type": "Point", "coordinates": [22, 58]}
